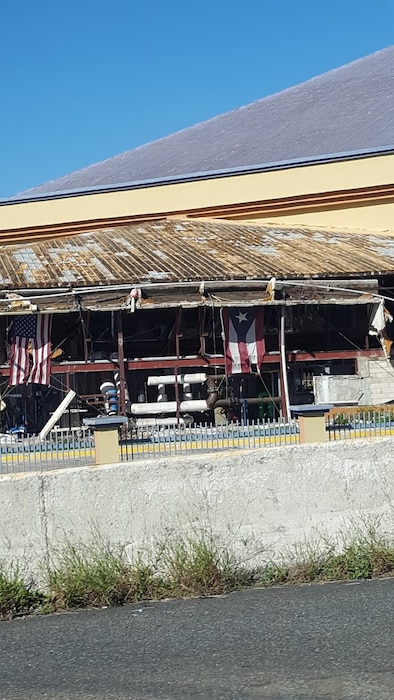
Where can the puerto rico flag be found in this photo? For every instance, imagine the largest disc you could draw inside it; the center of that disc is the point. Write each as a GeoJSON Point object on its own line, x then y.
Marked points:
{"type": "Point", "coordinates": [243, 339]}
{"type": "Point", "coordinates": [31, 336]}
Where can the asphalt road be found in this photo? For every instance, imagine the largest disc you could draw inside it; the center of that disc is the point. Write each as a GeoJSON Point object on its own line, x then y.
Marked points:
{"type": "Point", "coordinates": [296, 643]}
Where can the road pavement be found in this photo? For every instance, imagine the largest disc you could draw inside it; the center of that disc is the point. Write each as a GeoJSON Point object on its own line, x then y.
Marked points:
{"type": "Point", "coordinates": [316, 642]}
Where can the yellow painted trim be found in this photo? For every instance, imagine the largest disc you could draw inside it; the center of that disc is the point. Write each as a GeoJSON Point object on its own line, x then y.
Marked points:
{"type": "Point", "coordinates": [201, 194]}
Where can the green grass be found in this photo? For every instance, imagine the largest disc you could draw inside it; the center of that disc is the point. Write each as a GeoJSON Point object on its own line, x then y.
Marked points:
{"type": "Point", "coordinates": [16, 596]}
{"type": "Point", "coordinates": [364, 554]}
{"type": "Point", "coordinates": [96, 575]}
{"type": "Point", "coordinates": [200, 566]}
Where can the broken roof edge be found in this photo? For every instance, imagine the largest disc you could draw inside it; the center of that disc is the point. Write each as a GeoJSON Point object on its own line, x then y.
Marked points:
{"type": "Point", "coordinates": [194, 177]}
{"type": "Point", "coordinates": [205, 289]}
{"type": "Point", "coordinates": [251, 283]}
{"type": "Point", "coordinates": [183, 302]}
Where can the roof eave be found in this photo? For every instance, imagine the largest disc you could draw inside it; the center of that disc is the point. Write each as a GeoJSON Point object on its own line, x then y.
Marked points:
{"type": "Point", "coordinates": [193, 177]}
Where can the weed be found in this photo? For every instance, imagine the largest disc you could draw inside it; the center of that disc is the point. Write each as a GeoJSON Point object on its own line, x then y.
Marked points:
{"type": "Point", "coordinates": [144, 582]}
{"type": "Point", "coordinates": [96, 575]}
{"type": "Point", "coordinates": [200, 566]}
{"type": "Point", "coordinates": [16, 596]}
{"type": "Point", "coordinates": [363, 555]}
{"type": "Point", "coordinates": [87, 576]}
{"type": "Point", "coordinates": [273, 574]}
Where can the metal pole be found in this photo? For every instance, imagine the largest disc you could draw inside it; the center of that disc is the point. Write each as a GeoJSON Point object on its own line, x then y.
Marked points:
{"type": "Point", "coordinates": [283, 365]}
{"type": "Point", "coordinates": [85, 331]}
{"type": "Point", "coordinates": [177, 336]}
{"type": "Point", "coordinates": [122, 373]}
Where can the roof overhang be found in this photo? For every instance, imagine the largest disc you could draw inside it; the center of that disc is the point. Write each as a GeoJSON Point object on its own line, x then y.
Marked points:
{"type": "Point", "coordinates": [187, 296]}
{"type": "Point", "coordinates": [181, 262]}
{"type": "Point", "coordinates": [195, 177]}
{"type": "Point", "coordinates": [316, 187]}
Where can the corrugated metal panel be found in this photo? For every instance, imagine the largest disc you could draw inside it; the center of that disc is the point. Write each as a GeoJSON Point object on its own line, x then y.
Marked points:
{"type": "Point", "coordinates": [192, 250]}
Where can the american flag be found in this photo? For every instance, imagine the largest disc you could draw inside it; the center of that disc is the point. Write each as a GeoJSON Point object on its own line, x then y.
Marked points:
{"type": "Point", "coordinates": [243, 339]}
{"type": "Point", "coordinates": [31, 333]}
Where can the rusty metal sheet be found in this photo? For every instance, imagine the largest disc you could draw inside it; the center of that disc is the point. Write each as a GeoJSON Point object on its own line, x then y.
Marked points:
{"type": "Point", "coordinates": [181, 250]}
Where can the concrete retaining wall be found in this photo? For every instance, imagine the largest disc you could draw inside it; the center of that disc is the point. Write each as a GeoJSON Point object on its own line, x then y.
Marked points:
{"type": "Point", "coordinates": [259, 502]}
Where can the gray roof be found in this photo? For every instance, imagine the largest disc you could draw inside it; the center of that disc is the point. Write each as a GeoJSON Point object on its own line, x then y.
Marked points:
{"type": "Point", "coordinates": [344, 111]}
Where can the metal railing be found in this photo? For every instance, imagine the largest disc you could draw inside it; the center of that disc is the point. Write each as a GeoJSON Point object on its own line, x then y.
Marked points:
{"type": "Point", "coordinates": [61, 449]}
{"type": "Point", "coordinates": [64, 448]}
{"type": "Point", "coordinates": [360, 423]}
{"type": "Point", "coordinates": [150, 442]}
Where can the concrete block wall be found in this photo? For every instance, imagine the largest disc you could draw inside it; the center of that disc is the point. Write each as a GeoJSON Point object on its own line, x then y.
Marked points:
{"type": "Point", "coordinates": [259, 503]}
{"type": "Point", "coordinates": [381, 381]}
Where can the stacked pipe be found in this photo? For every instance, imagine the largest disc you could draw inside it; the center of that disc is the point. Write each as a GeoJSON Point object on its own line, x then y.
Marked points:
{"type": "Point", "coordinates": [117, 380]}
{"type": "Point", "coordinates": [110, 396]}
{"type": "Point", "coordinates": [164, 406]}
{"type": "Point", "coordinates": [161, 393]}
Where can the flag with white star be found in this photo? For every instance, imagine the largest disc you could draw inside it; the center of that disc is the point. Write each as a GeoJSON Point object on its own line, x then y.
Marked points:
{"type": "Point", "coordinates": [243, 339]}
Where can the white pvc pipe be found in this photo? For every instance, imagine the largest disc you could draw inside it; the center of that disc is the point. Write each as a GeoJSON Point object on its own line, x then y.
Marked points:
{"type": "Point", "coordinates": [197, 378]}
{"type": "Point", "coordinates": [194, 405]}
{"type": "Point", "coordinates": [187, 393]}
{"type": "Point", "coordinates": [161, 395]}
{"type": "Point", "coordinates": [57, 414]}
{"type": "Point", "coordinates": [169, 420]}
{"type": "Point", "coordinates": [165, 379]}
{"type": "Point", "coordinates": [140, 409]}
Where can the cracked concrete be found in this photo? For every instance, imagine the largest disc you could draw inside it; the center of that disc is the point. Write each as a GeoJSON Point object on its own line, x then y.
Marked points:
{"type": "Point", "coordinates": [259, 503]}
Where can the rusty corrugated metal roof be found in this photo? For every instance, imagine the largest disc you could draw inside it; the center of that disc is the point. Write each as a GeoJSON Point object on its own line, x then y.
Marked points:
{"type": "Point", "coordinates": [182, 250]}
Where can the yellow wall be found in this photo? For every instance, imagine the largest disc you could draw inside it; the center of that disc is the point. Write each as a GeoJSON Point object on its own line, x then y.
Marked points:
{"type": "Point", "coordinates": [178, 198]}
{"type": "Point", "coordinates": [371, 218]}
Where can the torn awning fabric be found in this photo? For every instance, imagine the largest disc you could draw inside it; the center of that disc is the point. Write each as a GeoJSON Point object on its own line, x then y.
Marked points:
{"type": "Point", "coordinates": [243, 339]}
{"type": "Point", "coordinates": [31, 338]}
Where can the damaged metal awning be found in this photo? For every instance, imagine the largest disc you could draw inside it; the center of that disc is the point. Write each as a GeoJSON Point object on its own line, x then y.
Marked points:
{"type": "Point", "coordinates": [193, 263]}
{"type": "Point", "coordinates": [211, 294]}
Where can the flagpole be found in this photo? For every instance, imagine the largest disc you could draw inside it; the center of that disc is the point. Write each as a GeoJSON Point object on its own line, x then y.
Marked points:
{"type": "Point", "coordinates": [283, 364]}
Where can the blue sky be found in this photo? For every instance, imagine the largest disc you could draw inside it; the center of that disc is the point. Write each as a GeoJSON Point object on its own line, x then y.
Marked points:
{"type": "Point", "coordinates": [84, 80]}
